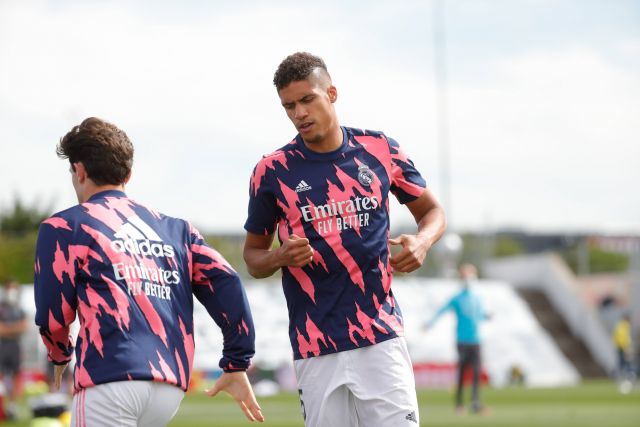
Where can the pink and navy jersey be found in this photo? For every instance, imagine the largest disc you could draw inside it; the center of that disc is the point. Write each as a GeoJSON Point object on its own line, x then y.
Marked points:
{"type": "Point", "coordinates": [340, 202]}
{"type": "Point", "coordinates": [130, 274]}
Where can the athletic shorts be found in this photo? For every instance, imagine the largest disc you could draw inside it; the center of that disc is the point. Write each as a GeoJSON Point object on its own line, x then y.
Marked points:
{"type": "Point", "coordinates": [126, 404]}
{"type": "Point", "coordinates": [367, 387]}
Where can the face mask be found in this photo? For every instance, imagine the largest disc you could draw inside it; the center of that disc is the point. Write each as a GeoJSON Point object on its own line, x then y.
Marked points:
{"type": "Point", "coordinates": [466, 283]}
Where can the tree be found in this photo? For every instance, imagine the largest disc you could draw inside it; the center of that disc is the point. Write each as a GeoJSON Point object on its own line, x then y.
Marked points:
{"type": "Point", "coordinates": [18, 233]}
{"type": "Point", "coordinates": [507, 246]}
{"type": "Point", "coordinates": [22, 219]}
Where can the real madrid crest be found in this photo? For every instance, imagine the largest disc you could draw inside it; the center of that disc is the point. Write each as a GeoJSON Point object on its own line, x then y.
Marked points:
{"type": "Point", "coordinates": [365, 176]}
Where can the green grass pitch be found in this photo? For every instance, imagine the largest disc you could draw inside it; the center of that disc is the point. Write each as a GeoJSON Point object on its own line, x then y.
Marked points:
{"type": "Point", "coordinates": [591, 404]}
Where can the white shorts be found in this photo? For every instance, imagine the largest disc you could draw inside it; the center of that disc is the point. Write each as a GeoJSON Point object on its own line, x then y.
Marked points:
{"type": "Point", "coordinates": [126, 404]}
{"type": "Point", "coordinates": [367, 387]}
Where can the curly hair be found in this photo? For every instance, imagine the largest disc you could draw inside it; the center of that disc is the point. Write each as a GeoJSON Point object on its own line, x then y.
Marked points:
{"type": "Point", "coordinates": [296, 67]}
{"type": "Point", "coordinates": [104, 150]}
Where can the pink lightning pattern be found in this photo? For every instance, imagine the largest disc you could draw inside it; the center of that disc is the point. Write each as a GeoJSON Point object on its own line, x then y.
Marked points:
{"type": "Point", "coordinates": [329, 181]}
{"type": "Point", "coordinates": [381, 150]}
{"type": "Point", "coordinates": [294, 218]}
{"type": "Point", "coordinates": [78, 269]}
{"type": "Point", "coordinates": [311, 345]}
{"type": "Point", "coordinates": [268, 162]}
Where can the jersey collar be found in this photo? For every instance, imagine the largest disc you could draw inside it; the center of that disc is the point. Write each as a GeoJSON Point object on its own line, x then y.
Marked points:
{"type": "Point", "coordinates": [313, 155]}
{"type": "Point", "coordinates": [107, 193]}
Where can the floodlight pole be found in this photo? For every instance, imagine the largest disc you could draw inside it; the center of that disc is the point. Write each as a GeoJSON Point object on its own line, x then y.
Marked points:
{"type": "Point", "coordinates": [442, 107]}
{"type": "Point", "coordinates": [449, 255]}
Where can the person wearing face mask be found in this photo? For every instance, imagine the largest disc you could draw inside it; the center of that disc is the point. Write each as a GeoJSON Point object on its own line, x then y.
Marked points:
{"type": "Point", "coordinates": [13, 323]}
{"type": "Point", "coordinates": [469, 312]}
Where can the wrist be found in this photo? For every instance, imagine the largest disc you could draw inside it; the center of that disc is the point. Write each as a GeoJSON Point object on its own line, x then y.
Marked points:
{"type": "Point", "coordinates": [276, 261]}
{"type": "Point", "coordinates": [233, 370]}
{"type": "Point", "coordinates": [424, 239]}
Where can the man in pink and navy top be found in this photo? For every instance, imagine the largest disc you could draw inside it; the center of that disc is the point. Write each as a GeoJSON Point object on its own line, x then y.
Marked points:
{"type": "Point", "coordinates": [326, 195]}
{"type": "Point", "coordinates": [129, 273]}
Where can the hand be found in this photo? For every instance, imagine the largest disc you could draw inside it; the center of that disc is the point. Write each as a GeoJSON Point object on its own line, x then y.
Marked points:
{"type": "Point", "coordinates": [58, 370]}
{"type": "Point", "coordinates": [237, 385]}
{"type": "Point", "coordinates": [295, 252]}
{"type": "Point", "coordinates": [411, 256]}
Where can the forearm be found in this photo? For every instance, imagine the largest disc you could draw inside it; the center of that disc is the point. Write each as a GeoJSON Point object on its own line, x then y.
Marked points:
{"type": "Point", "coordinates": [262, 263]}
{"type": "Point", "coordinates": [237, 328]}
{"type": "Point", "coordinates": [228, 307]}
{"type": "Point", "coordinates": [219, 289]}
{"type": "Point", "coordinates": [237, 352]}
{"type": "Point", "coordinates": [15, 329]}
{"type": "Point", "coordinates": [58, 343]}
{"type": "Point", "coordinates": [438, 314]}
{"type": "Point", "coordinates": [432, 226]}
{"type": "Point", "coordinates": [54, 329]}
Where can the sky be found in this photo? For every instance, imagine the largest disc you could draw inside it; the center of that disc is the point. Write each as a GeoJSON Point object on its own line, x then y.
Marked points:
{"type": "Point", "coordinates": [543, 100]}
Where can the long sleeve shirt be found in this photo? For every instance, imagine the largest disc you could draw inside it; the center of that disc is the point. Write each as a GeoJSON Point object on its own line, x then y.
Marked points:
{"type": "Point", "coordinates": [129, 274]}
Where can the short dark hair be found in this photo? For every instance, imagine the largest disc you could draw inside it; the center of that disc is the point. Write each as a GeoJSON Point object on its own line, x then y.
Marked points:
{"type": "Point", "coordinates": [104, 150]}
{"type": "Point", "coordinates": [296, 67]}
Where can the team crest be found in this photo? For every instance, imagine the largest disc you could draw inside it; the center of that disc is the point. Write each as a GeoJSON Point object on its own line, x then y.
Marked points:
{"type": "Point", "coordinates": [365, 176]}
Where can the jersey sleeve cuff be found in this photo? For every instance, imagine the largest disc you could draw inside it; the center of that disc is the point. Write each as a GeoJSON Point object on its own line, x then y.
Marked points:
{"type": "Point", "coordinates": [59, 362]}
{"type": "Point", "coordinates": [228, 366]}
{"type": "Point", "coordinates": [258, 229]}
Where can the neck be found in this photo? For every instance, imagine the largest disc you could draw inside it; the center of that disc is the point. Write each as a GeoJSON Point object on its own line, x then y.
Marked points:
{"type": "Point", "coordinates": [95, 189]}
{"type": "Point", "coordinates": [330, 143]}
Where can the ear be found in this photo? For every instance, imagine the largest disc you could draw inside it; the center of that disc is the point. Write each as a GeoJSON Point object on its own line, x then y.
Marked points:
{"type": "Point", "coordinates": [333, 93]}
{"type": "Point", "coordinates": [81, 172]}
{"type": "Point", "coordinates": [126, 180]}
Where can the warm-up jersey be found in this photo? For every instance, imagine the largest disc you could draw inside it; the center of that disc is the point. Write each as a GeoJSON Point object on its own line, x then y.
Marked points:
{"type": "Point", "coordinates": [342, 300]}
{"type": "Point", "coordinates": [131, 273]}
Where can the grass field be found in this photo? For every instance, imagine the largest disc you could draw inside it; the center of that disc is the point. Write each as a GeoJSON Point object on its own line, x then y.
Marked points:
{"type": "Point", "coordinates": [594, 403]}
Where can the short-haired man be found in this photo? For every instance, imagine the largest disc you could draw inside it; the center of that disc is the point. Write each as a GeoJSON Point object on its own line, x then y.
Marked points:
{"type": "Point", "coordinates": [327, 195]}
{"type": "Point", "coordinates": [130, 273]}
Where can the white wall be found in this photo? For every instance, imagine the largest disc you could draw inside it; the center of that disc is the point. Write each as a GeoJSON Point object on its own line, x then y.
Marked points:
{"type": "Point", "coordinates": [512, 336]}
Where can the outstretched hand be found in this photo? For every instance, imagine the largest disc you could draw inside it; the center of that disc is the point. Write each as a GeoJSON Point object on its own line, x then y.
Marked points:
{"type": "Point", "coordinates": [237, 385]}
{"type": "Point", "coordinates": [411, 256]}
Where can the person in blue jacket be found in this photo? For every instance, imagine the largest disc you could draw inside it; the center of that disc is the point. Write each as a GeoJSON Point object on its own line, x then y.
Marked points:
{"type": "Point", "coordinates": [468, 310]}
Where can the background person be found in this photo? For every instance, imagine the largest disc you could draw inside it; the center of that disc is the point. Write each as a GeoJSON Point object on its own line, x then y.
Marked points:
{"type": "Point", "coordinates": [13, 323]}
{"type": "Point", "coordinates": [624, 347]}
{"type": "Point", "coordinates": [469, 312]}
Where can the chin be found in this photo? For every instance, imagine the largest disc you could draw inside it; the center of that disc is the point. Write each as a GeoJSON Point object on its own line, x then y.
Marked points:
{"type": "Point", "coordinates": [313, 139]}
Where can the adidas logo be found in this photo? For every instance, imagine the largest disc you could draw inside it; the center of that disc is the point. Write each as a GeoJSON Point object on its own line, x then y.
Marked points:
{"type": "Point", "coordinates": [412, 417]}
{"type": "Point", "coordinates": [136, 237]}
{"type": "Point", "coordinates": [302, 186]}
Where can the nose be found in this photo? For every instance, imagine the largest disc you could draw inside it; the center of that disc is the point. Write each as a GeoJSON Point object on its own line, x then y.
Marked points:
{"type": "Point", "coordinates": [300, 112]}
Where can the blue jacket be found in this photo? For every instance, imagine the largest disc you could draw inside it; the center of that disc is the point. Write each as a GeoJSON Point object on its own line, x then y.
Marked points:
{"type": "Point", "coordinates": [468, 311]}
